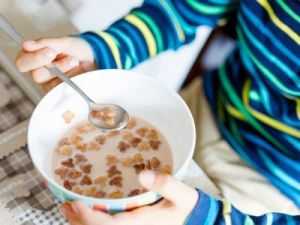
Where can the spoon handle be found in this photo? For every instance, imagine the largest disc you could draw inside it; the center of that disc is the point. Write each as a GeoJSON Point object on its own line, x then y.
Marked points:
{"type": "Point", "coordinates": [11, 31]}
{"type": "Point", "coordinates": [57, 72]}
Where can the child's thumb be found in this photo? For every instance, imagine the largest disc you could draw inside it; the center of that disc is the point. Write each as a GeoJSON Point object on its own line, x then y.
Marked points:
{"type": "Point", "coordinates": [167, 186]}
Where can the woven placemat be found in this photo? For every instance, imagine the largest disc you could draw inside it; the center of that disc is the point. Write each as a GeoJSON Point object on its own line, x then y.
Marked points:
{"type": "Point", "coordinates": [23, 193]}
{"type": "Point", "coordinates": [14, 114]}
{"type": "Point", "coordinates": [24, 199]}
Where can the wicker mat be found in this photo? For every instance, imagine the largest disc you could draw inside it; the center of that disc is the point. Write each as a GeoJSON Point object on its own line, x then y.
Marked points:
{"type": "Point", "coordinates": [23, 198]}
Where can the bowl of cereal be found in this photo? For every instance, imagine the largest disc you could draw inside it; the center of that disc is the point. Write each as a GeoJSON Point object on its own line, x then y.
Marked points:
{"type": "Point", "coordinates": [79, 161]}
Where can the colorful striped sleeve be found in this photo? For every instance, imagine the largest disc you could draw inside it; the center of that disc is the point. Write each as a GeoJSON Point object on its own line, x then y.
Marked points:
{"type": "Point", "coordinates": [154, 27]}
{"type": "Point", "coordinates": [210, 211]}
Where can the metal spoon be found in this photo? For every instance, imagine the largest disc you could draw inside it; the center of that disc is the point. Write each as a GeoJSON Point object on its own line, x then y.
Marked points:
{"type": "Point", "coordinates": [103, 116]}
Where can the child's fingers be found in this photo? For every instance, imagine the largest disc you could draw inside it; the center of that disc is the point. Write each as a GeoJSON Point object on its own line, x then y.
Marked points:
{"type": "Point", "coordinates": [51, 84]}
{"type": "Point", "coordinates": [55, 81]}
{"type": "Point", "coordinates": [79, 213]}
{"type": "Point", "coordinates": [168, 187]}
{"type": "Point", "coordinates": [68, 212]}
{"type": "Point", "coordinates": [27, 61]}
{"type": "Point", "coordinates": [31, 46]}
{"type": "Point", "coordinates": [66, 64]}
{"type": "Point", "coordinates": [42, 75]}
{"type": "Point", "coordinates": [57, 44]}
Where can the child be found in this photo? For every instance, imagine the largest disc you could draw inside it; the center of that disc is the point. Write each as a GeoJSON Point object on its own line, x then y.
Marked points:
{"type": "Point", "coordinates": [254, 96]}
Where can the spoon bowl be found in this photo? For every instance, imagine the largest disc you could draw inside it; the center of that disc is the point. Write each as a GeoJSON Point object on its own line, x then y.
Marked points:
{"type": "Point", "coordinates": [116, 120]}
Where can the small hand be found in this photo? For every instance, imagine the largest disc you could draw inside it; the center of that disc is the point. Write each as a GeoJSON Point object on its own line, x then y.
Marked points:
{"type": "Point", "coordinates": [71, 55]}
{"type": "Point", "coordinates": [179, 200]}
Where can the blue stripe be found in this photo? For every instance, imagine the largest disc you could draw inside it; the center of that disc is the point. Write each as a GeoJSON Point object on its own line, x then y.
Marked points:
{"type": "Point", "coordinates": [267, 55]}
{"type": "Point", "coordinates": [286, 189]}
{"type": "Point", "coordinates": [189, 29]}
{"type": "Point", "coordinates": [264, 93]}
{"type": "Point", "coordinates": [195, 18]}
{"type": "Point", "coordinates": [295, 142]}
{"type": "Point", "coordinates": [290, 220]}
{"type": "Point", "coordinates": [263, 29]}
{"type": "Point", "coordinates": [279, 172]}
{"type": "Point", "coordinates": [291, 165]}
{"type": "Point", "coordinates": [291, 119]}
{"type": "Point", "coordinates": [282, 88]}
{"type": "Point", "coordinates": [94, 40]}
{"type": "Point", "coordinates": [126, 40]}
{"type": "Point", "coordinates": [136, 37]}
{"type": "Point", "coordinates": [167, 24]}
{"type": "Point", "coordinates": [106, 50]}
{"type": "Point", "coordinates": [281, 35]}
{"type": "Point", "coordinates": [212, 213]}
{"type": "Point", "coordinates": [285, 17]}
{"type": "Point", "coordinates": [259, 142]}
{"type": "Point", "coordinates": [235, 145]}
{"type": "Point", "coordinates": [223, 2]}
{"type": "Point", "coordinates": [163, 22]}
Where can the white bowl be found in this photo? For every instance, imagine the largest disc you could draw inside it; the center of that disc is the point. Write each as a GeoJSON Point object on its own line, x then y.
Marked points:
{"type": "Point", "coordinates": [140, 95]}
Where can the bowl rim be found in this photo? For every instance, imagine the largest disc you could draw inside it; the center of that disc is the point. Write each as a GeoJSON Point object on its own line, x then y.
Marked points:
{"type": "Point", "coordinates": [83, 76]}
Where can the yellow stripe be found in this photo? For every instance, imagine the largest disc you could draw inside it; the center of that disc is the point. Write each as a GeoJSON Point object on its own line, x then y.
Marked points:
{"type": "Point", "coordinates": [298, 107]}
{"type": "Point", "coordinates": [226, 212]}
{"type": "Point", "coordinates": [113, 46]}
{"type": "Point", "coordinates": [265, 119]}
{"type": "Point", "coordinates": [179, 30]}
{"type": "Point", "coordinates": [265, 4]}
{"type": "Point", "coordinates": [222, 22]}
{"type": "Point", "coordinates": [234, 112]}
{"type": "Point", "coordinates": [150, 40]}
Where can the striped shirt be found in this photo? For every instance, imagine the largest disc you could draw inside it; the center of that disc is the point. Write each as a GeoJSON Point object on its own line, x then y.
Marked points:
{"type": "Point", "coordinates": [255, 94]}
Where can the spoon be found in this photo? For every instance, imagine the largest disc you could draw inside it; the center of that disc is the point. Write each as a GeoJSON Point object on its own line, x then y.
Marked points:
{"type": "Point", "coordinates": [103, 116]}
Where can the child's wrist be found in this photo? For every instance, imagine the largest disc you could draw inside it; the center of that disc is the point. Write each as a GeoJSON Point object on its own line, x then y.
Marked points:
{"type": "Point", "coordinates": [84, 47]}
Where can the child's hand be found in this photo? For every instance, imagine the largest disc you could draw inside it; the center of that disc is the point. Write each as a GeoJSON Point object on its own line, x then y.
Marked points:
{"type": "Point", "coordinates": [179, 200]}
{"type": "Point", "coordinates": [71, 55]}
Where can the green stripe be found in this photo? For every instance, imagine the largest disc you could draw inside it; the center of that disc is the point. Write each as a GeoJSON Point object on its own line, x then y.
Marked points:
{"type": "Point", "coordinates": [254, 96]}
{"type": "Point", "coordinates": [152, 25]}
{"type": "Point", "coordinates": [238, 103]}
{"type": "Point", "coordinates": [128, 63]}
{"type": "Point", "coordinates": [235, 130]}
{"type": "Point", "coordinates": [248, 221]}
{"type": "Point", "coordinates": [287, 9]}
{"type": "Point", "coordinates": [263, 69]}
{"type": "Point", "coordinates": [208, 9]}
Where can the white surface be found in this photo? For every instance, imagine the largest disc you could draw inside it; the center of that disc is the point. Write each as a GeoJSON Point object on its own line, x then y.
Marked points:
{"type": "Point", "coordinates": [171, 68]}
{"type": "Point", "coordinates": [139, 95]}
